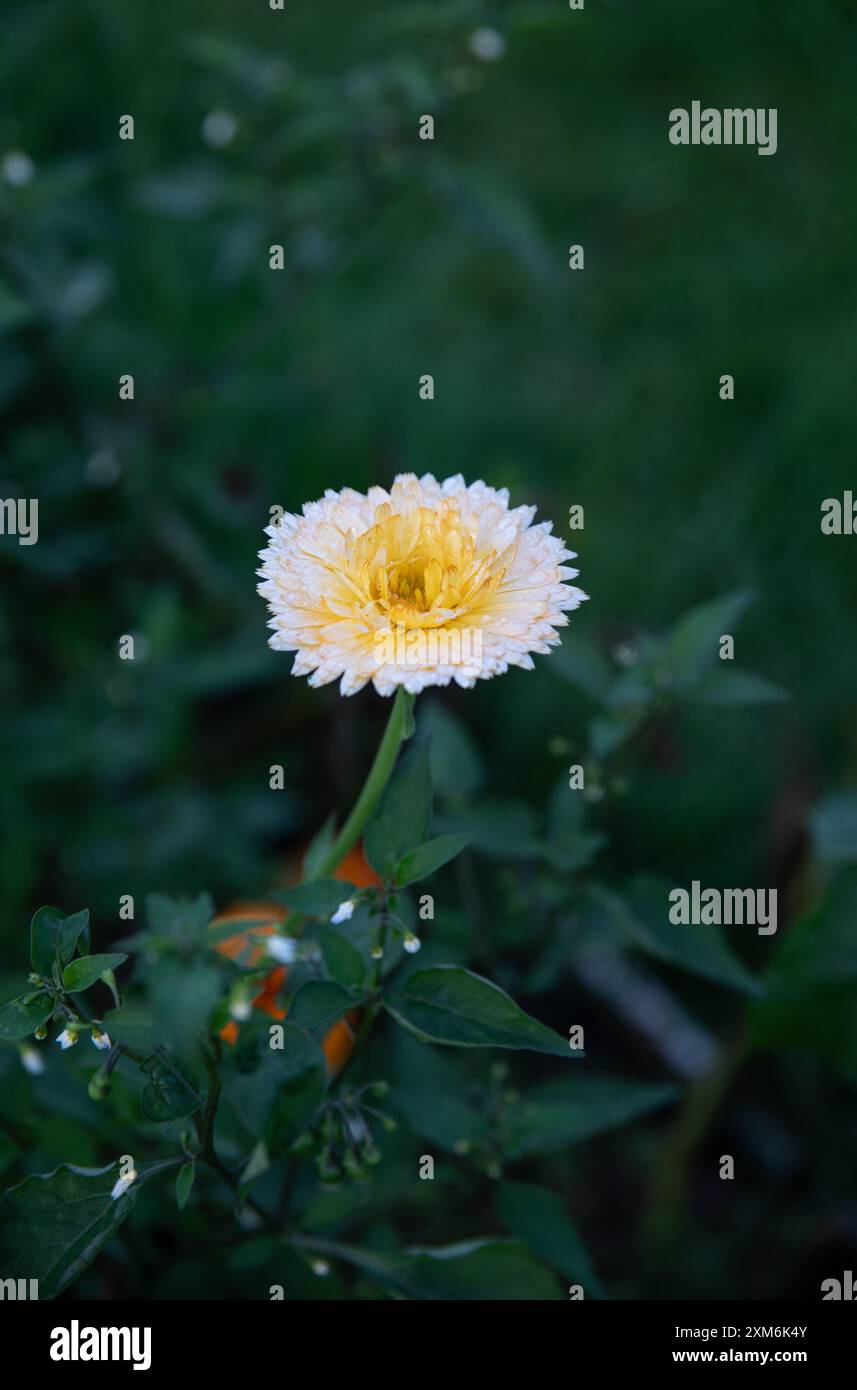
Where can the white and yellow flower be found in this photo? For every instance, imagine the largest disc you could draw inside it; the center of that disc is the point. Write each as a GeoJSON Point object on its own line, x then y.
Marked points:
{"type": "Point", "coordinates": [425, 584]}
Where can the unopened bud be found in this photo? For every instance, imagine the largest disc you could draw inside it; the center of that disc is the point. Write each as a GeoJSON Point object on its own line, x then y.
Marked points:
{"type": "Point", "coordinates": [99, 1085]}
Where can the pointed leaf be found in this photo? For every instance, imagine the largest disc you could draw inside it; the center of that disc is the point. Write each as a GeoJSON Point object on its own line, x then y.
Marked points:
{"type": "Point", "coordinates": [52, 1226]}
{"type": "Point", "coordinates": [21, 1017]}
{"type": "Point", "coordinates": [451, 1005]}
{"type": "Point", "coordinates": [425, 859]}
{"type": "Point", "coordinates": [45, 931]}
{"type": "Point", "coordinates": [86, 971]}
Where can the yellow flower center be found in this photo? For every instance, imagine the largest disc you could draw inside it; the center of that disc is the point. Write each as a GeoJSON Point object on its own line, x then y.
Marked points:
{"type": "Point", "coordinates": [422, 568]}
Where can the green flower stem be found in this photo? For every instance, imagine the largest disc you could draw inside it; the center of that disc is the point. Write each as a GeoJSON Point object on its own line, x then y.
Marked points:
{"type": "Point", "coordinates": [400, 726]}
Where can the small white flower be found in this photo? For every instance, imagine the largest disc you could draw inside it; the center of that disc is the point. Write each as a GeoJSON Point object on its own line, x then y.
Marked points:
{"type": "Point", "coordinates": [241, 1009]}
{"type": "Point", "coordinates": [377, 953]}
{"type": "Point", "coordinates": [487, 45]}
{"type": "Point", "coordinates": [218, 129]}
{"type": "Point", "coordinates": [32, 1061]}
{"type": "Point", "coordinates": [67, 1038]}
{"type": "Point", "coordinates": [18, 168]}
{"type": "Point", "coordinates": [101, 1040]}
{"type": "Point", "coordinates": [625, 654]}
{"type": "Point", "coordinates": [321, 1268]}
{"type": "Point", "coordinates": [412, 943]}
{"type": "Point", "coordinates": [343, 913]}
{"type": "Point", "coordinates": [283, 948]}
{"type": "Point", "coordinates": [121, 1185]}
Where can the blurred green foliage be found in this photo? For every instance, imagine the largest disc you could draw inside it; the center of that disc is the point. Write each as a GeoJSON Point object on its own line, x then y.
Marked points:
{"type": "Point", "coordinates": [255, 388]}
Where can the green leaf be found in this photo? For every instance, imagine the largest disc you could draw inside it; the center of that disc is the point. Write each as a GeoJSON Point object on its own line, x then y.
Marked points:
{"type": "Point", "coordinates": [52, 1226]}
{"type": "Point", "coordinates": [540, 1219]}
{"type": "Point", "coordinates": [581, 662]}
{"type": "Point", "coordinates": [425, 859]}
{"type": "Point", "coordinates": [182, 997]}
{"type": "Point", "coordinates": [436, 1095]}
{"type": "Point", "coordinates": [169, 1093]}
{"type": "Point", "coordinates": [184, 1184]}
{"type": "Point", "coordinates": [557, 1114]}
{"type": "Point", "coordinates": [695, 641]}
{"type": "Point", "coordinates": [448, 1004]}
{"type": "Point", "coordinates": [318, 899]}
{"type": "Point", "coordinates": [342, 961]}
{"type": "Point", "coordinates": [732, 686]}
{"type": "Point", "coordinates": [45, 931]}
{"type": "Point", "coordinates": [504, 830]}
{"type": "Point", "coordinates": [474, 1269]}
{"type": "Point", "coordinates": [297, 1077]}
{"type": "Point", "coordinates": [184, 921]}
{"type": "Point", "coordinates": [319, 1003]}
{"type": "Point", "coordinates": [644, 922]}
{"type": "Point", "coordinates": [811, 985]}
{"type": "Point", "coordinates": [81, 974]}
{"type": "Point", "coordinates": [402, 819]}
{"type": "Point", "coordinates": [454, 760]}
{"type": "Point", "coordinates": [609, 732]}
{"type": "Point", "coordinates": [257, 1164]}
{"type": "Point", "coordinates": [569, 846]}
{"type": "Point", "coordinates": [22, 1016]}
{"type": "Point", "coordinates": [74, 934]}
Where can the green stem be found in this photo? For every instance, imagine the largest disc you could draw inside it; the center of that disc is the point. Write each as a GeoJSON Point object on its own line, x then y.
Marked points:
{"type": "Point", "coordinates": [400, 726]}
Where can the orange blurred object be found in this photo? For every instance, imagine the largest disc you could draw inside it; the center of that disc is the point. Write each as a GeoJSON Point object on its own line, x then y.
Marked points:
{"type": "Point", "coordinates": [338, 1043]}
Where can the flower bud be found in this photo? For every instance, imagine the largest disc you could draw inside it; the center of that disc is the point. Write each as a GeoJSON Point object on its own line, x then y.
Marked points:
{"type": "Point", "coordinates": [99, 1085]}
{"type": "Point", "coordinates": [328, 1170]}
{"type": "Point", "coordinates": [120, 1187]}
{"type": "Point", "coordinates": [100, 1039]}
{"type": "Point", "coordinates": [370, 1153]}
{"type": "Point", "coordinates": [352, 1165]}
{"type": "Point", "coordinates": [32, 1061]}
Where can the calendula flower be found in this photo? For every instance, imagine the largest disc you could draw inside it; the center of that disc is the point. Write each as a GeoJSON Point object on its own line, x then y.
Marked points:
{"type": "Point", "coordinates": [121, 1185]}
{"type": "Point", "coordinates": [425, 584]}
{"type": "Point", "coordinates": [101, 1040]}
{"type": "Point", "coordinates": [343, 913]}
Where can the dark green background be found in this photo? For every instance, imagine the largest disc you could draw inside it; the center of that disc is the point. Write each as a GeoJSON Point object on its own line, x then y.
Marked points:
{"type": "Point", "coordinates": [600, 388]}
